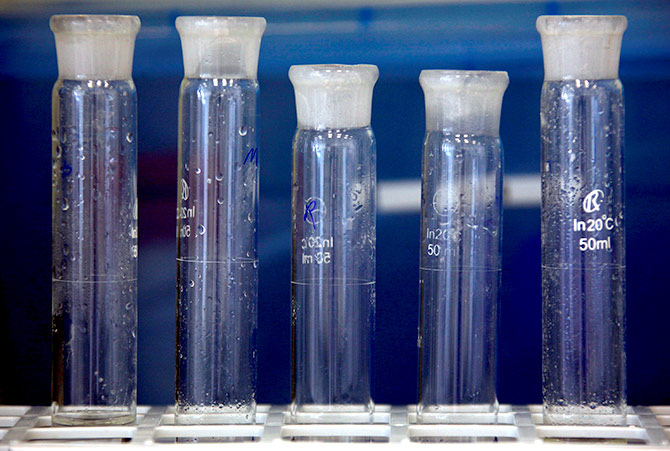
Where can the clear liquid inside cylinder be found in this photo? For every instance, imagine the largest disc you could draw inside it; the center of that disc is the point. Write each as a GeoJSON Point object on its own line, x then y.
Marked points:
{"type": "Point", "coordinates": [460, 276]}
{"type": "Point", "coordinates": [217, 261]}
{"type": "Point", "coordinates": [583, 253]}
{"type": "Point", "coordinates": [333, 267]}
{"type": "Point", "coordinates": [94, 252]}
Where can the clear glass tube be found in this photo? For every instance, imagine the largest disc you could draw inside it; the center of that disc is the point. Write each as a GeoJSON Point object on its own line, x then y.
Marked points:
{"type": "Point", "coordinates": [460, 245]}
{"type": "Point", "coordinates": [94, 222]}
{"type": "Point", "coordinates": [217, 211]}
{"type": "Point", "coordinates": [333, 269]}
{"type": "Point", "coordinates": [583, 254]}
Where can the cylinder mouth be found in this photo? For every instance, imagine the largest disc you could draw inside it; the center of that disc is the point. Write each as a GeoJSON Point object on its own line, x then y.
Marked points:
{"type": "Point", "coordinates": [581, 47]}
{"type": "Point", "coordinates": [95, 47]}
{"type": "Point", "coordinates": [333, 74]}
{"type": "Point", "coordinates": [461, 101]}
{"type": "Point", "coordinates": [220, 46]}
{"type": "Point", "coordinates": [220, 26]}
{"type": "Point", "coordinates": [480, 80]}
{"type": "Point", "coordinates": [333, 95]}
{"type": "Point", "coordinates": [581, 25]}
{"type": "Point", "coordinates": [94, 24]}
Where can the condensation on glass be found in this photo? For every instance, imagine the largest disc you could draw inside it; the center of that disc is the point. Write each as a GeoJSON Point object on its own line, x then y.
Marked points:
{"type": "Point", "coordinates": [94, 221]}
{"type": "Point", "coordinates": [461, 214]}
{"type": "Point", "coordinates": [583, 254]}
{"type": "Point", "coordinates": [217, 217]}
{"type": "Point", "coordinates": [334, 237]}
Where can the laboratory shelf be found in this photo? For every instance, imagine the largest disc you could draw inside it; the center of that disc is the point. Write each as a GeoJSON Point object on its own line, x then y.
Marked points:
{"type": "Point", "coordinates": [23, 427]}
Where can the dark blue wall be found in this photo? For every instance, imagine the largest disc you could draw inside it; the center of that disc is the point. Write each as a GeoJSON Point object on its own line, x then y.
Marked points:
{"type": "Point", "coordinates": [401, 41]}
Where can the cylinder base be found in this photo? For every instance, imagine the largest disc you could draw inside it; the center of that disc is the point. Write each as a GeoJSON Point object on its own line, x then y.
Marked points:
{"type": "Point", "coordinates": [457, 414]}
{"type": "Point", "coordinates": [584, 415]}
{"type": "Point", "coordinates": [332, 414]}
{"type": "Point", "coordinates": [92, 415]}
{"type": "Point", "coordinates": [215, 415]}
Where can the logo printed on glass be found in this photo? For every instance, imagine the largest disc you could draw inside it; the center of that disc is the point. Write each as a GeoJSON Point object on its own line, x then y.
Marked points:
{"type": "Point", "coordinates": [184, 190]}
{"type": "Point", "coordinates": [315, 210]}
{"type": "Point", "coordinates": [593, 200]}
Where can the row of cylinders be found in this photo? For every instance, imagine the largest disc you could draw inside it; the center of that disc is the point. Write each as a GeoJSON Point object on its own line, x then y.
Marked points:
{"type": "Point", "coordinates": [333, 283]}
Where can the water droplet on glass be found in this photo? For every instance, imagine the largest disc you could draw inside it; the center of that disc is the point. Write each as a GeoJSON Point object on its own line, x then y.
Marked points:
{"type": "Point", "coordinates": [64, 205]}
{"type": "Point", "coordinates": [197, 170]}
{"type": "Point", "coordinates": [243, 130]}
{"type": "Point", "coordinates": [219, 201]}
{"type": "Point", "coordinates": [129, 137]}
{"type": "Point", "coordinates": [201, 229]}
{"type": "Point", "coordinates": [66, 249]}
{"type": "Point", "coordinates": [191, 283]}
{"type": "Point", "coordinates": [209, 181]}
{"type": "Point", "coordinates": [219, 177]}
{"type": "Point", "coordinates": [129, 305]}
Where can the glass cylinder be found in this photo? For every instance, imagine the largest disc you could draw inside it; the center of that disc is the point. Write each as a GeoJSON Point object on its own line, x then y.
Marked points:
{"type": "Point", "coordinates": [94, 221]}
{"type": "Point", "coordinates": [461, 211]}
{"type": "Point", "coordinates": [217, 217]}
{"type": "Point", "coordinates": [334, 236]}
{"type": "Point", "coordinates": [583, 253]}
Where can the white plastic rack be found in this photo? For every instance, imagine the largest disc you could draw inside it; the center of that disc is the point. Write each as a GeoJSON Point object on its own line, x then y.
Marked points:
{"type": "Point", "coordinates": [24, 427]}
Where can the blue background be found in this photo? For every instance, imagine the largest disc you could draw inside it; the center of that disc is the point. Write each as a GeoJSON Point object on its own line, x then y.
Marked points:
{"type": "Point", "coordinates": [401, 40]}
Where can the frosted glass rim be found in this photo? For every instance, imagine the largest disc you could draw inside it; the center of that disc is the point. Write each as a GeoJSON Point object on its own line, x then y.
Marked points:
{"type": "Point", "coordinates": [221, 25]}
{"type": "Point", "coordinates": [333, 74]}
{"type": "Point", "coordinates": [581, 25]}
{"type": "Point", "coordinates": [456, 79]}
{"type": "Point", "coordinates": [95, 24]}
